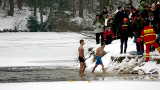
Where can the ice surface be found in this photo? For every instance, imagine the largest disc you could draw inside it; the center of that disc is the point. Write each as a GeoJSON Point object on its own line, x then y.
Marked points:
{"type": "Point", "coordinates": [34, 49]}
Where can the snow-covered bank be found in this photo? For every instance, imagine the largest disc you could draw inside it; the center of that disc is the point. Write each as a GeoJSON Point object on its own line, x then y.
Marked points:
{"type": "Point", "coordinates": [135, 65]}
{"type": "Point", "coordinates": [71, 85]}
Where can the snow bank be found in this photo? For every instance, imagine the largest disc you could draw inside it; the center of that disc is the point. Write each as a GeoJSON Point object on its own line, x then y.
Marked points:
{"type": "Point", "coordinates": [134, 65]}
{"type": "Point", "coordinates": [88, 85]}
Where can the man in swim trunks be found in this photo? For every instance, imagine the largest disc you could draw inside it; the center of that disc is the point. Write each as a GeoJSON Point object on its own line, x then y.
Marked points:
{"type": "Point", "coordinates": [99, 54]}
{"type": "Point", "coordinates": [81, 58]}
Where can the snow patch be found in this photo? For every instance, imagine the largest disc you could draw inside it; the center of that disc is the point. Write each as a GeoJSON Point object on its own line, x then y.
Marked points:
{"type": "Point", "coordinates": [18, 21]}
{"type": "Point", "coordinates": [77, 20]}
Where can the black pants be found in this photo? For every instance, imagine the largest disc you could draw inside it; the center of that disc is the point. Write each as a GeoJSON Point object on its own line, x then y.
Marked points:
{"type": "Point", "coordinates": [108, 40]}
{"type": "Point", "coordinates": [98, 35]}
{"type": "Point", "coordinates": [124, 42]}
{"type": "Point", "coordinates": [140, 48]}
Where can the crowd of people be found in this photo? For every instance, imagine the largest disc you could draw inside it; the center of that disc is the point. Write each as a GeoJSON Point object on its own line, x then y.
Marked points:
{"type": "Point", "coordinates": [141, 24]}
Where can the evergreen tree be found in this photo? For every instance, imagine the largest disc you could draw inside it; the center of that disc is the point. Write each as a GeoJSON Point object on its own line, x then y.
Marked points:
{"type": "Point", "coordinates": [33, 24]}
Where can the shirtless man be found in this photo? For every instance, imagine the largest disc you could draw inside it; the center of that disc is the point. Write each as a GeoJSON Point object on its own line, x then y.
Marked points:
{"type": "Point", "coordinates": [99, 54]}
{"type": "Point", "coordinates": [81, 58]}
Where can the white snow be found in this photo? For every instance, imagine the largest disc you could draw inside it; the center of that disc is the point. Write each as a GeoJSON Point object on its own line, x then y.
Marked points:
{"type": "Point", "coordinates": [19, 20]}
{"type": "Point", "coordinates": [87, 85]}
{"type": "Point", "coordinates": [127, 65]}
{"type": "Point", "coordinates": [77, 20]}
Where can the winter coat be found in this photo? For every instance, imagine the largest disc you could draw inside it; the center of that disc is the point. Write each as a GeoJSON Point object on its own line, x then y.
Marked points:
{"type": "Point", "coordinates": [148, 34]}
{"type": "Point", "coordinates": [98, 27]}
{"type": "Point", "coordinates": [124, 30]}
{"type": "Point", "coordinates": [108, 33]}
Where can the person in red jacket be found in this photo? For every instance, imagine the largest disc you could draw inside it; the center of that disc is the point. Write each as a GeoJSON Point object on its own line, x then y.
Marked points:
{"type": "Point", "coordinates": [149, 37]}
{"type": "Point", "coordinates": [108, 35]}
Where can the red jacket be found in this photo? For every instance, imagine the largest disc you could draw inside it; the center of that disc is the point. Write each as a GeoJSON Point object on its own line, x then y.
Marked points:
{"type": "Point", "coordinates": [148, 34]}
{"type": "Point", "coordinates": [107, 33]}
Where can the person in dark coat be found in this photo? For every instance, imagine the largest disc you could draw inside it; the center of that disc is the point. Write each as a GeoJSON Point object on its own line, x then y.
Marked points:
{"type": "Point", "coordinates": [124, 34]}
{"type": "Point", "coordinates": [137, 29]}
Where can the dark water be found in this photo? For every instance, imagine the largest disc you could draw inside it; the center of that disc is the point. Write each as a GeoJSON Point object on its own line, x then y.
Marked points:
{"type": "Point", "coordinates": [43, 74]}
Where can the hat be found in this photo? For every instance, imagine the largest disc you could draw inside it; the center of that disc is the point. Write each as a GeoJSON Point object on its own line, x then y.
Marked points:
{"type": "Point", "coordinates": [125, 19]}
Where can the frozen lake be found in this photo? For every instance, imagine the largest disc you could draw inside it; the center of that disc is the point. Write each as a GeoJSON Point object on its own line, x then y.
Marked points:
{"type": "Point", "coordinates": [35, 49]}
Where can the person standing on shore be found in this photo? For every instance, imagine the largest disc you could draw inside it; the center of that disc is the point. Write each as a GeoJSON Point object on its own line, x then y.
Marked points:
{"type": "Point", "coordinates": [98, 29]}
{"type": "Point", "coordinates": [81, 58]}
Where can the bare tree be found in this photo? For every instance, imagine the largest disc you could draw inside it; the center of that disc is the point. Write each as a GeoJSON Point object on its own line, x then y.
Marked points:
{"type": "Point", "coordinates": [73, 8]}
{"type": "Point", "coordinates": [101, 4]}
{"type": "Point", "coordinates": [35, 7]}
{"type": "Point", "coordinates": [92, 5]}
{"type": "Point", "coordinates": [20, 4]}
{"type": "Point", "coordinates": [81, 4]}
{"type": "Point", "coordinates": [4, 4]}
{"type": "Point", "coordinates": [0, 2]}
{"type": "Point", "coordinates": [11, 8]}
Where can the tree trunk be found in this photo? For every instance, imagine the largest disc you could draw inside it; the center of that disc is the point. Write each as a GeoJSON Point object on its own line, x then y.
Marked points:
{"type": "Point", "coordinates": [4, 4]}
{"type": "Point", "coordinates": [20, 4]}
{"type": "Point", "coordinates": [49, 26]}
{"type": "Point", "coordinates": [35, 7]}
{"type": "Point", "coordinates": [101, 4]}
{"type": "Point", "coordinates": [0, 3]}
{"type": "Point", "coordinates": [92, 6]}
{"type": "Point", "coordinates": [41, 14]}
{"type": "Point", "coordinates": [11, 8]}
{"type": "Point", "coordinates": [81, 8]}
{"type": "Point", "coordinates": [73, 8]}
{"type": "Point", "coordinates": [88, 5]}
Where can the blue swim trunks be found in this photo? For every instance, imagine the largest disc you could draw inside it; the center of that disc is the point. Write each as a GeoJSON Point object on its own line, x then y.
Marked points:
{"type": "Point", "coordinates": [98, 60]}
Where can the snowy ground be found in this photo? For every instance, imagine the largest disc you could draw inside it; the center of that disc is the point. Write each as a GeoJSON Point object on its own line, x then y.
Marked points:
{"type": "Point", "coordinates": [19, 20]}
{"type": "Point", "coordinates": [109, 85]}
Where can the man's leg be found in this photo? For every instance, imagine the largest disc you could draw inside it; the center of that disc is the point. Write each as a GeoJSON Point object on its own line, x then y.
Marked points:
{"type": "Point", "coordinates": [147, 52]}
{"type": "Point", "coordinates": [81, 69]}
{"type": "Point", "coordinates": [84, 67]}
{"type": "Point", "coordinates": [138, 48]}
{"type": "Point", "coordinates": [103, 68]}
{"type": "Point", "coordinates": [102, 37]}
{"type": "Point", "coordinates": [141, 48]}
{"type": "Point", "coordinates": [97, 38]}
{"type": "Point", "coordinates": [125, 41]}
{"type": "Point", "coordinates": [94, 68]}
{"type": "Point", "coordinates": [121, 47]}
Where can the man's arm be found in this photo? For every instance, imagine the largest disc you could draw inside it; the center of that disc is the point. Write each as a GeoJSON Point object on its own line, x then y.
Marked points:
{"type": "Point", "coordinates": [104, 53]}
